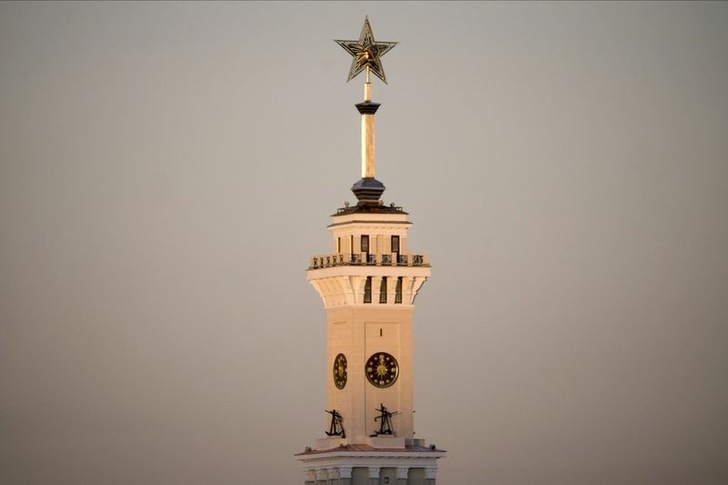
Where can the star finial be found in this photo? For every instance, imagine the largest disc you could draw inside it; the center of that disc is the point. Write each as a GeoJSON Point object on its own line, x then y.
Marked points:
{"type": "Point", "coordinates": [367, 53]}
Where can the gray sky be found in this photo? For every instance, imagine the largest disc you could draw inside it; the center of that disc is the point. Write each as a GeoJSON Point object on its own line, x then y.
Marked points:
{"type": "Point", "coordinates": [167, 169]}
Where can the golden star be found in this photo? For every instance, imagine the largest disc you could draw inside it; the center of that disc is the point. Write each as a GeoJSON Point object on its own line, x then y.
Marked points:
{"type": "Point", "coordinates": [367, 53]}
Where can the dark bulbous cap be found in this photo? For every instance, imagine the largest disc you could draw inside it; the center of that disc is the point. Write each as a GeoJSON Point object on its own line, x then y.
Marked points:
{"type": "Point", "coordinates": [368, 190]}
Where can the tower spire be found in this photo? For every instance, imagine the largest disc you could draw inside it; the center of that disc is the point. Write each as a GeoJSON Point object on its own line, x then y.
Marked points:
{"type": "Point", "coordinates": [367, 53]}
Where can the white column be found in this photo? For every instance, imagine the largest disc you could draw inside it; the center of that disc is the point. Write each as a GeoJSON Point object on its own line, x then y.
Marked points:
{"type": "Point", "coordinates": [333, 475]}
{"type": "Point", "coordinates": [391, 289]}
{"type": "Point", "coordinates": [310, 476]}
{"type": "Point", "coordinates": [345, 475]}
{"type": "Point", "coordinates": [407, 283]}
{"type": "Point", "coordinates": [376, 286]}
{"type": "Point", "coordinates": [322, 476]}
{"type": "Point", "coordinates": [373, 475]}
{"type": "Point", "coordinates": [430, 475]}
{"type": "Point", "coordinates": [359, 282]}
{"type": "Point", "coordinates": [402, 473]}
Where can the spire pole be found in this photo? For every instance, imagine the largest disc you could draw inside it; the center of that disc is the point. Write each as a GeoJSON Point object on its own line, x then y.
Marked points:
{"type": "Point", "coordinates": [367, 130]}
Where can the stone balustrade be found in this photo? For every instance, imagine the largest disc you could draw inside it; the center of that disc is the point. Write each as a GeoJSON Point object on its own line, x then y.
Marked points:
{"type": "Point", "coordinates": [364, 259]}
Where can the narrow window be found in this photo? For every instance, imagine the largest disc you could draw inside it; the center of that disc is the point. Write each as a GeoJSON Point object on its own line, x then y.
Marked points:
{"type": "Point", "coordinates": [383, 291]}
{"type": "Point", "coordinates": [365, 244]}
{"type": "Point", "coordinates": [398, 291]}
{"type": "Point", "coordinates": [380, 332]}
{"type": "Point", "coordinates": [338, 244]}
{"type": "Point", "coordinates": [395, 244]}
{"type": "Point", "coordinates": [368, 290]}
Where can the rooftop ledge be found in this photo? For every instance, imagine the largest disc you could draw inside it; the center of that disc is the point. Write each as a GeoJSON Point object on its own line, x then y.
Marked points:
{"type": "Point", "coordinates": [379, 208]}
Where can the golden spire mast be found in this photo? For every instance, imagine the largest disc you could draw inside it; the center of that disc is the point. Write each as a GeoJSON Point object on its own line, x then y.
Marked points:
{"type": "Point", "coordinates": [367, 132]}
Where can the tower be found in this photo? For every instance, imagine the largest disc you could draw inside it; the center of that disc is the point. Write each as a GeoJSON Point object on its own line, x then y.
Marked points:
{"type": "Point", "coordinates": [368, 285]}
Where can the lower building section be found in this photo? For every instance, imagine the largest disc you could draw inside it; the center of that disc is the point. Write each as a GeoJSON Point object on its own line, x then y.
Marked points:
{"type": "Point", "coordinates": [370, 476]}
{"type": "Point", "coordinates": [350, 464]}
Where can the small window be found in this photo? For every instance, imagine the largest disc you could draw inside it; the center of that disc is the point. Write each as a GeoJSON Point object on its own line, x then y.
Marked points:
{"type": "Point", "coordinates": [395, 244]}
{"type": "Point", "coordinates": [368, 290]}
{"type": "Point", "coordinates": [338, 244]}
{"type": "Point", "coordinates": [383, 291]}
{"type": "Point", "coordinates": [398, 291]}
{"type": "Point", "coordinates": [365, 244]}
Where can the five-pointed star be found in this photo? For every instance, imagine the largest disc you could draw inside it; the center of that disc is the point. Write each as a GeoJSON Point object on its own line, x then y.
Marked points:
{"type": "Point", "coordinates": [366, 52]}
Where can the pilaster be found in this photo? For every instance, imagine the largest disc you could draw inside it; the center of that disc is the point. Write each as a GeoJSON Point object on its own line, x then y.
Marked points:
{"type": "Point", "coordinates": [402, 473]}
{"type": "Point", "coordinates": [374, 475]}
{"type": "Point", "coordinates": [430, 475]}
{"type": "Point", "coordinates": [322, 476]}
{"type": "Point", "coordinates": [309, 477]}
{"type": "Point", "coordinates": [345, 475]}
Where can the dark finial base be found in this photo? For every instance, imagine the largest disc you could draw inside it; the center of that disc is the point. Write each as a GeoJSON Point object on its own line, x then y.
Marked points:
{"type": "Point", "coordinates": [368, 190]}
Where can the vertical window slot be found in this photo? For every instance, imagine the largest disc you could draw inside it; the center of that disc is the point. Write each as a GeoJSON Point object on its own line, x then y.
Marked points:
{"type": "Point", "coordinates": [368, 290]}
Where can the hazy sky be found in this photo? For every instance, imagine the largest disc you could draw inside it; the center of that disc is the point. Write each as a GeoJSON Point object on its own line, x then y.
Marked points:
{"type": "Point", "coordinates": [166, 170]}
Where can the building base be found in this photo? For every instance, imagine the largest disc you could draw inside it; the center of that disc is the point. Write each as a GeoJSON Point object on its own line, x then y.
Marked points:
{"type": "Point", "coordinates": [364, 464]}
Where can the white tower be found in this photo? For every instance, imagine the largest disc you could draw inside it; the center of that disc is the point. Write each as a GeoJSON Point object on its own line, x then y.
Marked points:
{"type": "Point", "coordinates": [368, 285]}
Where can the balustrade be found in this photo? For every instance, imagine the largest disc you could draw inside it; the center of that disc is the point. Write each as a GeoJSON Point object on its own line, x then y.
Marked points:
{"type": "Point", "coordinates": [388, 259]}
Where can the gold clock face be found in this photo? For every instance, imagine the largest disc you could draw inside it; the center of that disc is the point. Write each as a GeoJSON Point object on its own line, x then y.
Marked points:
{"type": "Point", "coordinates": [382, 369]}
{"type": "Point", "coordinates": [340, 371]}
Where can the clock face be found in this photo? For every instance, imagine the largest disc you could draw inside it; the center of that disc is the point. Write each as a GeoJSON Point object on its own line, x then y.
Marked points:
{"type": "Point", "coordinates": [340, 371]}
{"type": "Point", "coordinates": [382, 369]}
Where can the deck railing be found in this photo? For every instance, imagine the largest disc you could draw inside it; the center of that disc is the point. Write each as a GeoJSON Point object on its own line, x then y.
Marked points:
{"type": "Point", "coordinates": [364, 259]}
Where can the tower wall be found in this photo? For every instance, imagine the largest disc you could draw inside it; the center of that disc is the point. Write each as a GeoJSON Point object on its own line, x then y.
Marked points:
{"type": "Point", "coordinates": [360, 332]}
